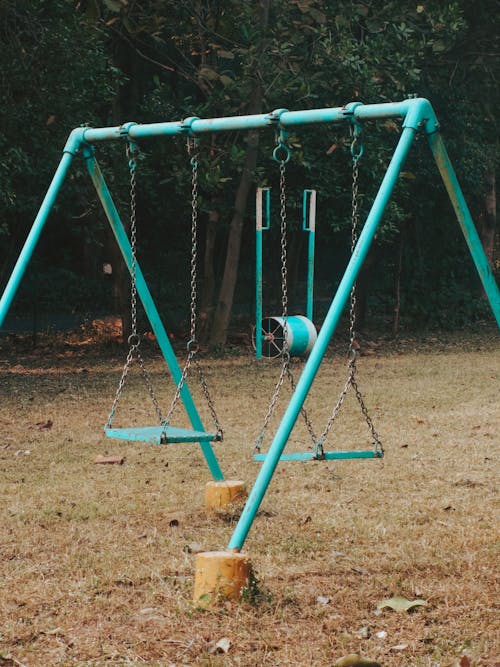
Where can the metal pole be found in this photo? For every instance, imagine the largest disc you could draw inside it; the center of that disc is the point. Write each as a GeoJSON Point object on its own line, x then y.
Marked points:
{"type": "Point", "coordinates": [150, 307]}
{"type": "Point", "coordinates": [261, 121]}
{"type": "Point", "coordinates": [259, 228]}
{"type": "Point", "coordinates": [32, 239]}
{"type": "Point", "coordinates": [258, 273]}
{"type": "Point", "coordinates": [309, 225]}
{"type": "Point", "coordinates": [462, 212]}
{"type": "Point", "coordinates": [306, 379]}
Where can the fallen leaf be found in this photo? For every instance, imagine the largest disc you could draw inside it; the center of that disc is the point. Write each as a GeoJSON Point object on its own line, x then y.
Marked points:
{"type": "Point", "coordinates": [399, 647]}
{"type": "Point", "coordinates": [355, 660]}
{"type": "Point", "coordinates": [399, 603]}
{"type": "Point", "coordinates": [222, 646]}
{"type": "Point", "coordinates": [465, 661]}
{"type": "Point", "coordinates": [109, 460]}
{"type": "Point", "coordinates": [322, 599]}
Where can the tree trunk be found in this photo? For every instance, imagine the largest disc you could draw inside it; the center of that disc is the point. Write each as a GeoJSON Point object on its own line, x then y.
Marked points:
{"type": "Point", "coordinates": [222, 316]}
{"type": "Point", "coordinates": [397, 281]}
{"type": "Point", "coordinates": [487, 227]}
{"type": "Point", "coordinates": [207, 295]}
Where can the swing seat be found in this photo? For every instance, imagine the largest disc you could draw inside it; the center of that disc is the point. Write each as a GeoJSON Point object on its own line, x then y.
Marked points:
{"type": "Point", "coordinates": [327, 456]}
{"type": "Point", "coordinates": [159, 435]}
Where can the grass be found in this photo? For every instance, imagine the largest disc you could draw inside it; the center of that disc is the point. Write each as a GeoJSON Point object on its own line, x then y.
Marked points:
{"type": "Point", "coordinates": [97, 562]}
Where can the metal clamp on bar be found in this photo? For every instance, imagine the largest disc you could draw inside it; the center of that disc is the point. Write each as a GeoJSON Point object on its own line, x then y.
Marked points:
{"type": "Point", "coordinates": [349, 109]}
{"type": "Point", "coordinates": [282, 151]}
{"type": "Point", "coordinates": [125, 129]}
{"type": "Point", "coordinates": [275, 116]}
{"type": "Point", "coordinates": [187, 125]}
{"type": "Point", "coordinates": [125, 134]}
{"type": "Point", "coordinates": [187, 130]}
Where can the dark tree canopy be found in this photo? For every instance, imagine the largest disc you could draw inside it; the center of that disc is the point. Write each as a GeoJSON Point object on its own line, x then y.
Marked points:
{"type": "Point", "coordinates": [105, 62]}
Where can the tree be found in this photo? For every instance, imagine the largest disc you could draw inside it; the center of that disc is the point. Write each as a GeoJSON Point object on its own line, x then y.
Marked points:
{"type": "Point", "coordinates": [55, 76]}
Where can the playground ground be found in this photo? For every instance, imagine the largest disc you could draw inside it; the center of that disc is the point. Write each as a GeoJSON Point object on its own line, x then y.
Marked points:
{"type": "Point", "coordinates": [97, 562]}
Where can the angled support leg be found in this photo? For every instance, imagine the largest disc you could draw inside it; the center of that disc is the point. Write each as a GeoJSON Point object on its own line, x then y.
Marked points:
{"type": "Point", "coordinates": [462, 212]}
{"type": "Point", "coordinates": [149, 306]}
{"type": "Point", "coordinates": [315, 358]}
{"type": "Point", "coordinates": [36, 229]}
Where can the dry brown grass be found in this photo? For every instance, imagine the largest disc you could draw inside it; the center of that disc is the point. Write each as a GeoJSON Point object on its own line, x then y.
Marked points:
{"type": "Point", "coordinates": [93, 570]}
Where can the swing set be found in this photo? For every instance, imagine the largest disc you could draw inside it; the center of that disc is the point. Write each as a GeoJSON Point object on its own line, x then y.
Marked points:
{"type": "Point", "coordinates": [416, 116]}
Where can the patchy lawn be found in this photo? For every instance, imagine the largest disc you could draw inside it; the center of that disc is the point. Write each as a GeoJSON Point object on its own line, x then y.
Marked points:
{"type": "Point", "coordinates": [97, 562]}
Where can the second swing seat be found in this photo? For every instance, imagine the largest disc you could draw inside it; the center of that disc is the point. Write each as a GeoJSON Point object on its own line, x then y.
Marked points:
{"type": "Point", "coordinates": [159, 435]}
{"type": "Point", "coordinates": [327, 456]}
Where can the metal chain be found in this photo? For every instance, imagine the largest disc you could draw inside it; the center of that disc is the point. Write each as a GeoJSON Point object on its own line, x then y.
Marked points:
{"type": "Point", "coordinates": [192, 147]}
{"type": "Point", "coordinates": [193, 346]}
{"type": "Point", "coordinates": [284, 269]}
{"type": "Point", "coordinates": [134, 339]}
{"type": "Point", "coordinates": [132, 157]}
{"type": "Point", "coordinates": [285, 353]}
{"type": "Point", "coordinates": [219, 435]}
{"type": "Point", "coordinates": [303, 411]}
{"type": "Point", "coordinates": [272, 405]}
{"type": "Point", "coordinates": [357, 151]}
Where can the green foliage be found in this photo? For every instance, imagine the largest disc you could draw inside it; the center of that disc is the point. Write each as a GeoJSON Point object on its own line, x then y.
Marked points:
{"type": "Point", "coordinates": [107, 61]}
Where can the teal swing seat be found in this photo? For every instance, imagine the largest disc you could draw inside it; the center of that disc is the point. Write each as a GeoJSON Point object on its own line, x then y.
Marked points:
{"type": "Point", "coordinates": [160, 435]}
{"type": "Point", "coordinates": [325, 456]}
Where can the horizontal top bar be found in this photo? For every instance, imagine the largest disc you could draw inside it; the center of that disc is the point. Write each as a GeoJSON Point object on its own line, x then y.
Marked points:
{"type": "Point", "coordinates": [415, 113]}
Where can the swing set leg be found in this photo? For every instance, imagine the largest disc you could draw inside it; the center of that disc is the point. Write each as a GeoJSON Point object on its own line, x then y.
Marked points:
{"type": "Point", "coordinates": [204, 586]}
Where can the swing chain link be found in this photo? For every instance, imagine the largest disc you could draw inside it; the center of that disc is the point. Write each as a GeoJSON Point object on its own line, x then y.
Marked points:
{"type": "Point", "coordinates": [272, 404]}
{"type": "Point", "coordinates": [303, 411]}
{"type": "Point", "coordinates": [132, 161]}
{"type": "Point", "coordinates": [134, 340]}
{"type": "Point", "coordinates": [193, 151]}
{"type": "Point", "coordinates": [219, 433]}
{"type": "Point", "coordinates": [357, 150]}
{"type": "Point", "coordinates": [284, 269]}
{"type": "Point", "coordinates": [193, 345]}
{"type": "Point", "coordinates": [285, 352]}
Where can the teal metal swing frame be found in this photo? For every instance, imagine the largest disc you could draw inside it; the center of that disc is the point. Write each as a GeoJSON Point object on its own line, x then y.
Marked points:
{"type": "Point", "coordinates": [416, 116]}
